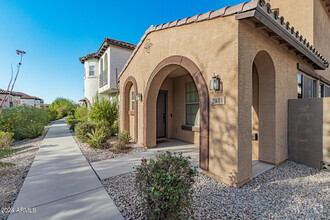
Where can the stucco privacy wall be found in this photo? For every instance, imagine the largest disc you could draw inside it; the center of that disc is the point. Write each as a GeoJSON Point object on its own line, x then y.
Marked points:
{"type": "Point", "coordinates": [251, 42]}
{"type": "Point", "coordinates": [309, 131]}
{"type": "Point", "coordinates": [212, 46]}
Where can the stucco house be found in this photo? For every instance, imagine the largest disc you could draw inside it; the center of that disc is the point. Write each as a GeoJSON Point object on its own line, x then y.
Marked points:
{"type": "Point", "coordinates": [14, 99]}
{"type": "Point", "coordinates": [222, 80]}
{"type": "Point", "coordinates": [103, 67]}
{"type": "Point", "coordinates": [30, 100]}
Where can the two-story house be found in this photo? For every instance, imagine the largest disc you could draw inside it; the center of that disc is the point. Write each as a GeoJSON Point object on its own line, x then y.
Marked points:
{"type": "Point", "coordinates": [103, 67]}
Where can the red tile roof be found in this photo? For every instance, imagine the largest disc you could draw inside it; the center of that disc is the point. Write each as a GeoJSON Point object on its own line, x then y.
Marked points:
{"type": "Point", "coordinates": [104, 46]}
{"type": "Point", "coordinates": [25, 96]}
{"type": "Point", "coordinates": [227, 11]}
{"type": "Point", "coordinates": [2, 91]}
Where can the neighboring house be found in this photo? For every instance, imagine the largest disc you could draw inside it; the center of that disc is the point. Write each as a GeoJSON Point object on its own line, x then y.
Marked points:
{"type": "Point", "coordinates": [30, 100]}
{"type": "Point", "coordinates": [11, 100]}
{"type": "Point", "coordinates": [218, 78]}
{"type": "Point", "coordinates": [101, 68]}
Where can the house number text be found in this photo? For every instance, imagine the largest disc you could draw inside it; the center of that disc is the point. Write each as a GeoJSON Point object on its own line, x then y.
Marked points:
{"type": "Point", "coordinates": [218, 100]}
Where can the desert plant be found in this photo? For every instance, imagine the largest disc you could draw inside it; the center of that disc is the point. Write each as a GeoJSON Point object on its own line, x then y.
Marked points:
{"type": "Point", "coordinates": [104, 110]}
{"type": "Point", "coordinates": [106, 128]}
{"type": "Point", "coordinates": [96, 137]}
{"type": "Point", "coordinates": [6, 139]}
{"type": "Point", "coordinates": [12, 80]}
{"type": "Point", "coordinates": [18, 119]}
{"type": "Point", "coordinates": [115, 128]}
{"type": "Point", "coordinates": [32, 130]}
{"type": "Point", "coordinates": [124, 136]}
{"type": "Point", "coordinates": [83, 128]}
{"type": "Point", "coordinates": [81, 114]}
{"type": "Point", "coordinates": [164, 185]}
{"type": "Point", "coordinates": [120, 146]}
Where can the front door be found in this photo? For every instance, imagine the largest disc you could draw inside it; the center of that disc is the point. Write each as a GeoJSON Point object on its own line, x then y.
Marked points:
{"type": "Point", "coordinates": [161, 114]}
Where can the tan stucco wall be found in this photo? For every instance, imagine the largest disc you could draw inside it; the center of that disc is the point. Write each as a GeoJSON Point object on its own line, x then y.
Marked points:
{"type": "Point", "coordinates": [311, 19]}
{"type": "Point", "coordinates": [251, 41]}
{"type": "Point", "coordinates": [299, 13]}
{"type": "Point", "coordinates": [212, 46]}
{"type": "Point", "coordinates": [322, 34]}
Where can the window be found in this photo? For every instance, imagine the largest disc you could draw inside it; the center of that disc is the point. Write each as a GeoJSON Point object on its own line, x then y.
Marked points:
{"type": "Point", "coordinates": [321, 90]}
{"type": "Point", "coordinates": [91, 71]}
{"type": "Point", "coordinates": [307, 87]}
{"type": "Point", "coordinates": [326, 91]}
{"type": "Point", "coordinates": [192, 104]}
{"type": "Point", "coordinates": [133, 101]}
{"type": "Point", "coordinates": [315, 89]}
{"type": "Point", "coordinates": [300, 79]}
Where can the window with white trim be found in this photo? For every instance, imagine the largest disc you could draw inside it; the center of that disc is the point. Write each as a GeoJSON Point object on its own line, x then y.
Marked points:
{"type": "Point", "coordinates": [192, 104]}
{"type": "Point", "coordinates": [91, 70]}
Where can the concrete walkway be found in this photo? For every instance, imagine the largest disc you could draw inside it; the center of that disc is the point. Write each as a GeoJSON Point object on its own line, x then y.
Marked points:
{"type": "Point", "coordinates": [61, 184]}
{"type": "Point", "coordinates": [120, 165]}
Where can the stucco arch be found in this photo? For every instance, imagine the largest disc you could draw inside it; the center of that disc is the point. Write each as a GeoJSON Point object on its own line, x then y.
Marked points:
{"type": "Point", "coordinates": [263, 65]}
{"type": "Point", "coordinates": [130, 81]}
{"type": "Point", "coordinates": [162, 70]}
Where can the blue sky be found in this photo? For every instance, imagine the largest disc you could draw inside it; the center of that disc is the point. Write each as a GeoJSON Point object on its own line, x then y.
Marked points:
{"type": "Point", "coordinates": [55, 33]}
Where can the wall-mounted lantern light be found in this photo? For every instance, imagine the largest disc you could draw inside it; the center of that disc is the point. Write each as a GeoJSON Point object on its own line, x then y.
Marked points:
{"type": "Point", "coordinates": [215, 83]}
{"type": "Point", "coordinates": [139, 97]}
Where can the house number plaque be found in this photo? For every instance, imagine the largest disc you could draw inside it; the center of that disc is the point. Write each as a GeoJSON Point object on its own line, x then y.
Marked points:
{"type": "Point", "coordinates": [218, 100]}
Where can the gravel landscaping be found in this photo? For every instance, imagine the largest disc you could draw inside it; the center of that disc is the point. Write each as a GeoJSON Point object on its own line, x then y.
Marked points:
{"type": "Point", "coordinates": [95, 154]}
{"type": "Point", "coordinates": [12, 178]}
{"type": "Point", "coordinates": [289, 191]}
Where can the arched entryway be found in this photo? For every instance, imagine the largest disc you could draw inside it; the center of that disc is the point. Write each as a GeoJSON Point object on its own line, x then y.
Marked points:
{"type": "Point", "coordinates": [173, 67]}
{"type": "Point", "coordinates": [131, 107]}
{"type": "Point", "coordinates": [263, 108]}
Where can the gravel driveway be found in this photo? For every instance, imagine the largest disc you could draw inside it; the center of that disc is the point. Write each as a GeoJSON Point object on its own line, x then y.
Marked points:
{"type": "Point", "coordinates": [289, 191]}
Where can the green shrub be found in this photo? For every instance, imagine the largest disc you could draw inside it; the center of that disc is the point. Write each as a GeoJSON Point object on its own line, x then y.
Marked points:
{"type": "Point", "coordinates": [62, 107]}
{"type": "Point", "coordinates": [53, 114]}
{"type": "Point", "coordinates": [124, 136]}
{"type": "Point", "coordinates": [69, 119]}
{"type": "Point", "coordinates": [120, 146]}
{"type": "Point", "coordinates": [96, 137]}
{"type": "Point", "coordinates": [20, 119]}
{"type": "Point", "coordinates": [104, 110]}
{"type": "Point", "coordinates": [29, 131]}
{"type": "Point", "coordinates": [83, 128]}
{"type": "Point", "coordinates": [6, 139]}
{"type": "Point", "coordinates": [106, 128]}
{"type": "Point", "coordinates": [164, 186]}
{"type": "Point", "coordinates": [62, 112]}
{"type": "Point", "coordinates": [115, 128]}
{"type": "Point", "coordinates": [81, 113]}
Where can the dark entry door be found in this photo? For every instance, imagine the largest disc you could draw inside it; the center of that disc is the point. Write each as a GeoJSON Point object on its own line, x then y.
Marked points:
{"type": "Point", "coordinates": [161, 114]}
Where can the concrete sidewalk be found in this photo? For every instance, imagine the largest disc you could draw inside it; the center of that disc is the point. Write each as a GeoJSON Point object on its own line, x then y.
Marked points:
{"type": "Point", "coordinates": [120, 165]}
{"type": "Point", "coordinates": [61, 184]}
